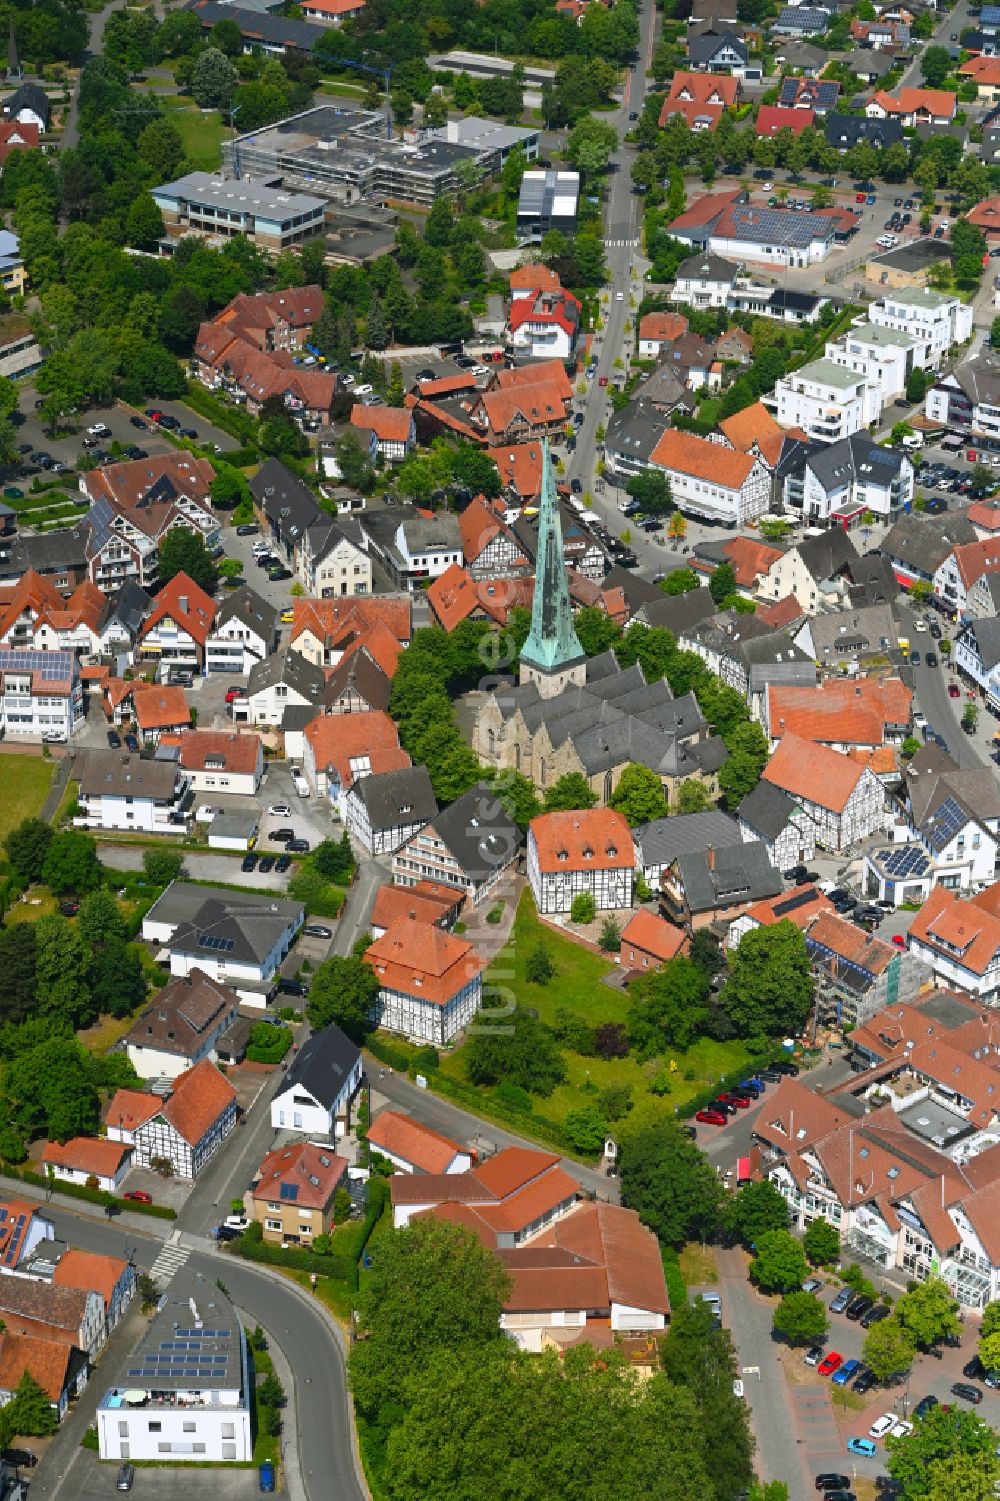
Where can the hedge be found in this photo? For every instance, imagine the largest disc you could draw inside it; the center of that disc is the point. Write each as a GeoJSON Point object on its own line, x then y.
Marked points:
{"type": "Point", "coordinates": [269, 1052]}
{"type": "Point", "coordinates": [391, 1056]}
{"type": "Point", "coordinates": [92, 1195]}
{"type": "Point", "coordinates": [241, 458]}
{"type": "Point", "coordinates": [676, 1286]}
{"type": "Point", "coordinates": [479, 1103]}
{"type": "Point", "coordinates": [704, 1097]}
{"type": "Point", "coordinates": [342, 1265]}
{"type": "Point", "coordinates": [231, 420]}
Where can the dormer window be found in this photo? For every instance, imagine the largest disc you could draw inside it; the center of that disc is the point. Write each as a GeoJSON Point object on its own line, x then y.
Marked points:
{"type": "Point", "coordinates": [588, 853]}
{"type": "Point", "coordinates": [612, 850]}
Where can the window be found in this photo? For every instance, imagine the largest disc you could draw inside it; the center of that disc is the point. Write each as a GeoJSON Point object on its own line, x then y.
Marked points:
{"type": "Point", "coordinates": [123, 1430]}
{"type": "Point", "coordinates": [189, 1427]}
{"type": "Point", "coordinates": [229, 1430]}
{"type": "Point", "coordinates": [156, 1427]}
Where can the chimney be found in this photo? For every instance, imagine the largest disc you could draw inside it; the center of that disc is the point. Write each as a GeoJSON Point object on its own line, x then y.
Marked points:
{"type": "Point", "coordinates": [710, 856]}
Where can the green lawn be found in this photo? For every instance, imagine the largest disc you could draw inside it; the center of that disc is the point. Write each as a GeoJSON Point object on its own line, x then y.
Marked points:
{"type": "Point", "coordinates": [578, 986]}
{"type": "Point", "coordinates": [202, 131]}
{"type": "Point", "coordinates": [25, 781]}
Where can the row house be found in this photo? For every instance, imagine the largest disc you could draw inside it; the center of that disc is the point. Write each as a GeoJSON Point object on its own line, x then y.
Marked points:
{"type": "Point", "coordinates": [384, 810]}
{"type": "Point", "coordinates": [468, 847]}
{"type": "Point", "coordinates": [589, 851]}
{"type": "Point", "coordinates": [323, 630]}
{"type": "Point", "coordinates": [333, 561]}
{"type": "Point", "coordinates": [959, 937]}
{"type": "Point", "coordinates": [839, 714]}
{"type": "Point", "coordinates": [119, 791]}
{"type": "Point", "coordinates": [338, 748]}
{"type": "Point", "coordinates": [217, 760]}
{"type": "Point", "coordinates": [915, 546]}
{"type": "Point", "coordinates": [977, 656]}
{"type": "Point", "coordinates": [960, 571]}
{"type": "Point", "coordinates": [843, 798]}
{"type": "Point", "coordinates": [135, 504]}
{"type": "Point", "coordinates": [659, 842]}
{"type": "Point", "coordinates": [223, 360]}
{"type": "Point", "coordinates": [177, 630]}
{"type": "Point", "coordinates": [114, 1279]}
{"type": "Point", "coordinates": [748, 655]}
{"type": "Point", "coordinates": [273, 321]}
{"type": "Point", "coordinates": [827, 401]}
{"type": "Point", "coordinates": [67, 1316]}
{"type": "Point", "coordinates": [710, 481]}
{"type": "Point", "coordinates": [524, 404]}
{"type": "Point", "coordinates": [41, 694]}
{"type": "Point", "coordinates": [184, 1127]}
{"type": "Point", "coordinates": [416, 548]}
{"type": "Point", "coordinates": [357, 685]}
{"type": "Point", "coordinates": [430, 982]}
{"type": "Point", "coordinates": [36, 616]}
{"type": "Point", "coordinates": [797, 906]}
{"type": "Point", "coordinates": [244, 631]}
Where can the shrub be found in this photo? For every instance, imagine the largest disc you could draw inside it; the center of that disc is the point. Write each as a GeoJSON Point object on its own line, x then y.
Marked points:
{"type": "Point", "coordinates": [268, 1043]}
{"type": "Point", "coordinates": [584, 908]}
{"type": "Point", "coordinates": [513, 1096]}
{"type": "Point", "coordinates": [425, 1061]}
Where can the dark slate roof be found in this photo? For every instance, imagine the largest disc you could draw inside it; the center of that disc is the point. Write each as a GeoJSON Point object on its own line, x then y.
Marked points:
{"type": "Point", "coordinates": [637, 428]}
{"type": "Point", "coordinates": [735, 874]}
{"type": "Point", "coordinates": [289, 667]}
{"type": "Point", "coordinates": [820, 93]}
{"type": "Point", "coordinates": [707, 267]}
{"type": "Point", "coordinates": [872, 581]}
{"type": "Point", "coordinates": [287, 501]}
{"type": "Point", "coordinates": [923, 542]}
{"type": "Point", "coordinates": [767, 810]}
{"type": "Point", "coordinates": [702, 49]}
{"type": "Point", "coordinates": [637, 590]}
{"type": "Point", "coordinates": [801, 18]}
{"type": "Point", "coordinates": [252, 921]}
{"type": "Point", "coordinates": [660, 842]}
{"type": "Point", "coordinates": [829, 552]}
{"type": "Point", "coordinates": [477, 831]}
{"type": "Point", "coordinates": [47, 552]}
{"type": "Point", "coordinates": [844, 131]}
{"type": "Point", "coordinates": [678, 612]}
{"type": "Point", "coordinates": [130, 607]}
{"type": "Point", "coordinates": [392, 798]}
{"type": "Point", "coordinates": [323, 1065]}
{"type": "Point", "coordinates": [857, 457]}
{"type": "Point", "coordinates": [301, 36]}
{"type": "Point", "coordinates": [915, 255]}
{"type": "Point", "coordinates": [361, 674]}
{"type": "Point", "coordinates": [246, 606]}
{"type": "Point", "coordinates": [869, 62]}
{"type": "Point", "coordinates": [29, 96]}
{"type": "Point", "coordinates": [986, 635]}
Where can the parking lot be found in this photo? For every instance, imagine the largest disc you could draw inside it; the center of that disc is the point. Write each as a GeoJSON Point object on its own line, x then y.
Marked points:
{"type": "Point", "coordinates": [91, 1480]}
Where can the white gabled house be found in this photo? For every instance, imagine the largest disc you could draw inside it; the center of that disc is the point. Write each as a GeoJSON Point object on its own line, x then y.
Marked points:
{"type": "Point", "coordinates": [316, 1093]}
{"type": "Point", "coordinates": [589, 851]}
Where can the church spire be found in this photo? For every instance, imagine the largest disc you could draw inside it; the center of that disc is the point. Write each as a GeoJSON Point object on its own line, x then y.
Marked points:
{"type": "Point", "coordinates": [552, 656]}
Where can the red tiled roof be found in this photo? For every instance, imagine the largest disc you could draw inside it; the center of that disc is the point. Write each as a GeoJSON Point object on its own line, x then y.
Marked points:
{"type": "Point", "coordinates": [200, 1095]}
{"type": "Point", "coordinates": [520, 467]}
{"type": "Point", "coordinates": [87, 1154]}
{"type": "Point", "coordinates": [747, 427]}
{"type": "Point", "coordinates": [159, 707]}
{"type": "Point", "coordinates": [813, 773]}
{"type": "Point", "coordinates": [784, 613]}
{"type": "Point", "coordinates": [750, 559]}
{"type": "Point", "coordinates": [937, 102]}
{"type": "Point", "coordinates": [535, 275]}
{"type": "Point", "coordinates": [337, 621]}
{"type": "Point", "coordinates": [339, 739]}
{"type": "Point", "coordinates": [127, 483]}
{"type": "Point", "coordinates": [844, 712]}
{"type": "Point", "coordinates": [130, 1108]}
{"type": "Point", "coordinates": [428, 901]}
{"type": "Point", "coordinates": [698, 116]}
{"type": "Point", "coordinates": [421, 960]}
{"type": "Point", "coordinates": [985, 514]}
{"type": "Point", "coordinates": [653, 934]}
{"type": "Point", "coordinates": [705, 209]}
{"type": "Point", "coordinates": [426, 1149]}
{"type": "Point", "coordinates": [90, 1272]}
{"type": "Point", "coordinates": [662, 325]}
{"type": "Point", "coordinates": [774, 117]}
{"type": "Point", "coordinates": [389, 424]}
{"type": "Point", "coordinates": [45, 1359]}
{"type": "Point", "coordinates": [974, 559]}
{"type": "Point", "coordinates": [703, 460]}
{"type": "Point", "coordinates": [521, 376]}
{"type": "Point", "coordinates": [590, 839]}
{"type": "Point", "coordinates": [539, 404]}
{"type": "Point", "coordinates": [764, 913]}
{"type": "Point", "coordinates": [182, 601]}
{"type": "Point", "coordinates": [237, 749]}
{"type": "Point", "coordinates": [962, 930]}
{"type": "Point", "coordinates": [313, 1171]}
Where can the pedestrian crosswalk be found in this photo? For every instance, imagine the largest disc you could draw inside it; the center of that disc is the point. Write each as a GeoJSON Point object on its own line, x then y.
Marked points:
{"type": "Point", "coordinates": [169, 1262]}
{"type": "Point", "coordinates": [622, 244]}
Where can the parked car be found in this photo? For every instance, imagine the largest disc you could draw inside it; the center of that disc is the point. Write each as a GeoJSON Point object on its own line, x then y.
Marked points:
{"type": "Point", "coordinates": [711, 1117]}
{"type": "Point", "coordinates": [831, 1482]}
{"type": "Point", "coordinates": [882, 1425]}
{"type": "Point", "coordinates": [812, 1285]}
{"type": "Point", "coordinates": [247, 529]}
{"type": "Point", "coordinates": [266, 864]}
{"type": "Point", "coordinates": [279, 810]}
{"type": "Point", "coordinates": [132, 743]}
{"type": "Point", "coordinates": [297, 846]}
{"type": "Point", "coordinates": [874, 1315]}
{"type": "Point", "coordinates": [249, 862]}
{"type": "Point", "coordinates": [282, 864]}
{"type": "Point", "coordinates": [114, 740]}
{"type": "Point", "coordinates": [864, 1380]}
{"type": "Point", "coordinates": [830, 1363]}
{"type": "Point", "coordinates": [292, 987]}
{"type": "Point", "coordinates": [814, 1355]}
{"type": "Point", "coordinates": [842, 1299]}
{"type": "Point", "coordinates": [924, 1406]}
{"type": "Point", "coordinates": [266, 1476]}
{"type": "Point", "coordinates": [281, 836]}
{"type": "Point", "coordinates": [861, 1446]}
{"type": "Point", "coordinates": [967, 1393]}
{"type": "Point", "coordinates": [847, 1372]}
{"type": "Point", "coordinates": [138, 1196]}
{"type": "Point", "coordinates": [316, 930]}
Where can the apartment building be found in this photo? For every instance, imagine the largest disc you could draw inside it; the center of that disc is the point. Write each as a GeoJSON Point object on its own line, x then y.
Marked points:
{"type": "Point", "coordinates": [129, 792]}
{"type": "Point", "coordinates": [826, 400]}
{"type": "Point", "coordinates": [934, 320]}
{"type": "Point", "coordinates": [41, 694]}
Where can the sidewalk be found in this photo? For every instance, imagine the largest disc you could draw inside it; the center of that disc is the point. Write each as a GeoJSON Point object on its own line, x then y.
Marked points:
{"type": "Point", "coordinates": [148, 1224]}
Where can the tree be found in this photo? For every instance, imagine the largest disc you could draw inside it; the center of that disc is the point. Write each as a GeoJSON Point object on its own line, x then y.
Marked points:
{"type": "Point", "coordinates": [722, 584]}
{"type": "Point", "coordinates": [701, 1360]}
{"type": "Point", "coordinates": [929, 1313]}
{"type": "Point", "coordinates": [539, 969]}
{"type": "Point", "coordinates": [639, 795]}
{"type": "Point", "coordinates": [589, 146]}
{"type": "Point", "coordinates": [801, 1318]}
{"type": "Point", "coordinates": [60, 972]}
{"type": "Point", "coordinates": [144, 222]}
{"type": "Point", "coordinates": [667, 1007]}
{"type": "Point", "coordinates": [376, 330]}
{"type": "Point", "coordinates": [672, 1187]}
{"type": "Point", "coordinates": [692, 797]}
{"type": "Point", "coordinates": [334, 858]}
{"type": "Point", "coordinates": [17, 965]}
{"type": "Point", "coordinates": [26, 847]}
{"type": "Point", "coordinates": [610, 935]}
{"type": "Point", "coordinates": [821, 1243]}
{"type": "Point", "coordinates": [586, 1130]}
{"type": "Point", "coordinates": [755, 1209]}
{"type": "Point", "coordinates": [935, 65]}
{"type": "Point", "coordinates": [162, 866]}
{"type": "Point", "coordinates": [748, 753]}
{"type": "Point", "coordinates": [516, 1049]}
{"type": "Point", "coordinates": [184, 551]}
{"type": "Point", "coordinates": [945, 1436]}
{"type": "Point", "coordinates": [344, 991]}
{"type": "Point", "coordinates": [433, 1286]}
{"type": "Point", "coordinates": [916, 385]}
{"type": "Point", "coordinates": [583, 908]}
{"type": "Point", "coordinates": [651, 489]}
{"type": "Point", "coordinates": [71, 866]}
{"type": "Point", "coordinates": [611, 1040]}
{"type": "Point", "coordinates": [213, 79]}
{"type": "Point", "coordinates": [888, 1349]}
{"type": "Point", "coordinates": [779, 1264]}
{"type": "Point", "coordinates": [100, 918]}
{"type": "Point", "coordinates": [680, 581]}
{"type": "Point", "coordinates": [570, 792]}
{"type": "Point", "coordinates": [116, 979]}
{"type": "Point", "coordinates": [769, 990]}
{"type": "Point", "coordinates": [30, 1410]}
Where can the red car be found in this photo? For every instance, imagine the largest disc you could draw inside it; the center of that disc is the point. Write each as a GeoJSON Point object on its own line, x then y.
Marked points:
{"type": "Point", "coordinates": [234, 693]}
{"type": "Point", "coordinates": [899, 940]}
{"type": "Point", "coordinates": [737, 1100]}
{"type": "Point", "coordinates": [954, 691]}
{"type": "Point", "coordinates": [711, 1117]}
{"type": "Point", "coordinates": [859, 197]}
{"type": "Point", "coordinates": [138, 1196]}
{"type": "Point", "coordinates": [830, 1363]}
{"type": "Point", "coordinates": [602, 380]}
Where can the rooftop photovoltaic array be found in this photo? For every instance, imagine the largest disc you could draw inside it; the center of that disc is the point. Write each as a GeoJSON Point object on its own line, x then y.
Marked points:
{"type": "Point", "coordinates": [54, 666]}
{"type": "Point", "coordinates": [903, 862]}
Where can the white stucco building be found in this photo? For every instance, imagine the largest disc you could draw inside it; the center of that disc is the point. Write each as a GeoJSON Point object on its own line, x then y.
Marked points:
{"type": "Point", "coordinates": [322, 1080]}
{"type": "Point", "coordinates": [827, 401]}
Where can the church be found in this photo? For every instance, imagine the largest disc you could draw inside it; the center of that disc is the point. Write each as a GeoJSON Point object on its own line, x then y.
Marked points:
{"type": "Point", "coordinates": [570, 714]}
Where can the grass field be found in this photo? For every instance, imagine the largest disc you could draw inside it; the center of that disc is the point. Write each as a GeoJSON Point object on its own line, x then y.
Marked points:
{"type": "Point", "coordinates": [201, 131]}
{"type": "Point", "coordinates": [578, 985]}
{"type": "Point", "coordinates": [25, 781]}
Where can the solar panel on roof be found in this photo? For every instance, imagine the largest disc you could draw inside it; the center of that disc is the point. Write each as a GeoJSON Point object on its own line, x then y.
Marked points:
{"type": "Point", "coordinates": [289, 1190]}
{"type": "Point", "coordinates": [209, 941]}
{"type": "Point", "coordinates": [797, 899]}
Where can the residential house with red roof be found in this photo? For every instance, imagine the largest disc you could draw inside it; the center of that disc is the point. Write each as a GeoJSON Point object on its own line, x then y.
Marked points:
{"type": "Point", "coordinates": [701, 99]}
{"type": "Point", "coordinates": [293, 1195]}
{"type": "Point", "coordinates": [711, 481]}
{"type": "Point", "coordinates": [230, 761]}
{"type": "Point", "coordinates": [337, 748]}
{"type": "Point", "coordinates": [23, 1226]}
{"type": "Point", "coordinates": [657, 330]}
{"type": "Point", "coordinates": [470, 845]}
{"type": "Point", "coordinates": [844, 799]}
{"type": "Point", "coordinates": [332, 12]}
{"type": "Point", "coordinates": [960, 938]}
{"type": "Point", "coordinates": [18, 135]}
{"type": "Point", "coordinates": [520, 469]}
{"type": "Point", "coordinates": [412, 1147]}
{"type": "Point", "coordinates": [798, 906]}
{"type": "Point", "coordinates": [112, 1277]}
{"type": "Point", "coordinates": [88, 1160]}
{"type": "Point", "coordinates": [394, 429]}
{"type": "Point", "coordinates": [860, 714]}
{"type": "Point", "coordinates": [489, 546]}
{"type": "Point", "coordinates": [545, 326]}
{"type": "Point", "coordinates": [913, 107]}
{"type": "Point", "coordinates": [67, 1316]}
{"type": "Point", "coordinates": [159, 710]}
{"type": "Point", "coordinates": [771, 118]}
{"type": "Point", "coordinates": [648, 941]}
{"type": "Point", "coordinates": [135, 504]}
{"type": "Point", "coordinates": [323, 630]}
{"type": "Point", "coordinates": [430, 982]}
{"type": "Point", "coordinates": [59, 1370]}
{"type": "Point", "coordinates": [36, 615]}
{"type": "Point", "coordinates": [523, 404]}
{"type": "Point", "coordinates": [585, 851]}
{"type": "Point", "coordinates": [184, 1127]}
{"type": "Point", "coordinates": [177, 628]}
{"type": "Point", "coordinates": [427, 901]}
{"type": "Point", "coordinates": [247, 353]}
{"type": "Point", "coordinates": [961, 570]}
{"type": "Point", "coordinates": [580, 1273]}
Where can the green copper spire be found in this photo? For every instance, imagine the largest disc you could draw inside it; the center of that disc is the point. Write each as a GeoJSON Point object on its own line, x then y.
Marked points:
{"type": "Point", "coordinates": [552, 656]}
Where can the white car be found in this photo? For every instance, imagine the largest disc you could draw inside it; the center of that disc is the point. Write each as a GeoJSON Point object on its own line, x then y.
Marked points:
{"type": "Point", "coordinates": [363, 390]}
{"type": "Point", "coordinates": [920, 625]}
{"type": "Point", "coordinates": [347, 380]}
{"type": "Point", "coordinates": [901, 1428]}
{"type": "Point", "coordinates": [883, 1425]}
{"type": "Point", "coordinates": [301, 786]}
{"type": "Point", "coordinates": [619, 296]}
{"type": "Point", "coordinates": [99, 430]}
{"type": "Point", "coordinates": [279, 810]}
{"type": "Point", "coordinates": [205, 814]}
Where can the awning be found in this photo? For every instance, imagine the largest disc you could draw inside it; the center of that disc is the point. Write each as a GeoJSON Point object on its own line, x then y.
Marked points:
{"type": "Point", "coordinates": [742, 1169]}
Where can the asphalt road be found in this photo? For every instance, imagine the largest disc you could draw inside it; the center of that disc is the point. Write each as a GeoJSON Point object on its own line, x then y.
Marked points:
{"type": "Point", "coordinates": [930, 686]}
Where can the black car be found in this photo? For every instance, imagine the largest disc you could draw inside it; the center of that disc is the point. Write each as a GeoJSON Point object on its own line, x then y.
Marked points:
{"type": "Point", "coordinates": [187, 432]}
{"type": "Point", "coordinates": [277, 573]}
{"type": "Point", "coordinates": [297, 846]}
{"type": "Point", "coordinates": [131, 742]}
{"type": "Point", "coordinates": [292, 987]}
{"type": "Point", "coordinates": [21, 1459]}
{"type": "Point", "coordinates": [807, 878]}
{"type": "Point", "coordinates": [863, 1381]}
{"type": "Point", "coordinates": [134, 452]}
{"type": "Point", "coordinates": [426, 375]}
{"type": "Point", "coordinates": [266, 864]}
{"type": "Point", "coordinates": [886, 1485]}
{"type": "Point", "coordinates": [797, 873]}
{"type": "Point", "coordinates": [69, 907]}
{"type": "Point", "coordinates": [875, 1315]}
{"type": "Point", "coordinates": [724, 1107]}
{"type": "Point", "coordinates": [281, 836]}
{"type": "Point", "coordinates": [770, 1075]}
{"type": "Point", "coordinates": [973, 1369]}
{"type": "Point", "coordinates": [249, 862]}
{"type": "Point", "coordinates": [265, 560]}
{"type": "Point", "coordinates": [227, 1232]}
{"type": "Point", "coordinates": [924, 1406]}
{"type": "Point", "coordinates": [832, 1483]}
{"type": "Point", "coordinates": [915, 658]}
{"type": "Point", "coordinates": [248, 529]}
{"type": "Point", "coordinates": [932, 660]}
{"type": "Point", "coordinates": [282, 864]}
{"type": "Point", "coordinates": [114, 740]}
{"type": "Point", "coordinates": [857, 1307]}
{"type": "Point", "coordinates": [138, 422]}
{"type": "Point", "coordinates": [967, 1393]}
{"type": "Point", "coordinates": [785, 1066]}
